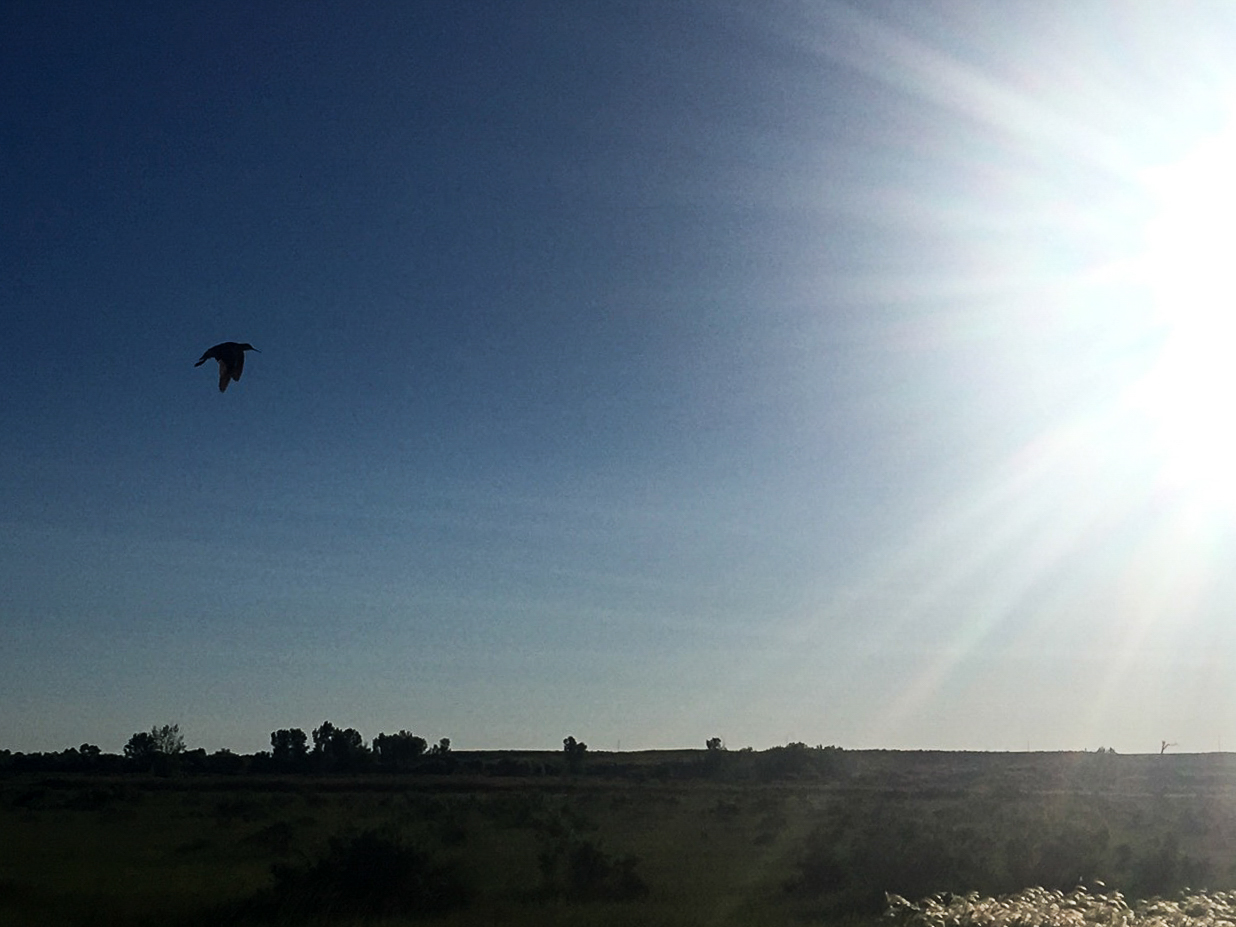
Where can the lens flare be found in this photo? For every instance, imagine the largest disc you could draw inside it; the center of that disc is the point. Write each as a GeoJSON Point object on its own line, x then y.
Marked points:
{"type": "Point", "coordinates": [1189, 264]}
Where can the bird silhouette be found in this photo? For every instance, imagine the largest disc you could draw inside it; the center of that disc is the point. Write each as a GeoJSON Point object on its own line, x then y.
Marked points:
{"type": "Point", "coordinates": [231, 358]}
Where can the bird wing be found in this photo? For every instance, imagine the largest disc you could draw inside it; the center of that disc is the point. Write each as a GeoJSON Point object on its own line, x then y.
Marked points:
{"type": "Point", "coordinates": [225, 374]}
{"type": "Point", "coordinates": [238, 365]}
{"type": "Point", "coordinates": [210, 352]}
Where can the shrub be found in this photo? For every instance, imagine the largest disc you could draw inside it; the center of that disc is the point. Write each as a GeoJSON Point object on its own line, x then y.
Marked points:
{"type": "Point", "coordinates": [368, 874]}
{"type": "Point", "coordinates": [854, 867]}
{"type": "Point", "coordinates": [580, 870]}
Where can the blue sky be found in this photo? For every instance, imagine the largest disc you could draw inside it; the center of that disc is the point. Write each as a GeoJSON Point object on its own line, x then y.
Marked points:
{"type": "Point", "coordinates": [643, 372]}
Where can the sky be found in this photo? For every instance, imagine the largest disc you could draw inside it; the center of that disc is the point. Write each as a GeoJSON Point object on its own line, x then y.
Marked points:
{"type": "Point", "coordinates": [642, 372]}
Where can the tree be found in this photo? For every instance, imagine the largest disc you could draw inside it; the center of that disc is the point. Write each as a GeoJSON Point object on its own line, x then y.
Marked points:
{"type": "Point", "coordinates": [140, 748]}
{"type": "Point", "coordinates": [714, 743]}
{"type": "Point", "coordinates": [168, 739]}
{"type": "Point", "coordinates": [157, 750]}
{"type": "Point", "coordinates": [399, 751]}
{"type": "Point", "coordinates": [322, 736]}
{"type": "Point", "coordinates": [289, 747]}
{"type": "Point", "coordinates": [442, 747]}
{"type": "Point", "coordinates": [335, 748]}
{"type": "Point", "coordinates": [347, 744]}
{"type": "Point", "coordinates": [574, 751]}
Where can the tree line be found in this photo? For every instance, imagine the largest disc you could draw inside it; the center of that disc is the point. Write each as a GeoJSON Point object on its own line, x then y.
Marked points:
{"type": "Point", "coordinates": [333, 749]}
{"type": "Point", "coordinates": [329, 749]}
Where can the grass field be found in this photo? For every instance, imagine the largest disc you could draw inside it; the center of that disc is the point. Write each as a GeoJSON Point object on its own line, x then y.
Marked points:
{"type": "Point", "coordinates": [811, 846]}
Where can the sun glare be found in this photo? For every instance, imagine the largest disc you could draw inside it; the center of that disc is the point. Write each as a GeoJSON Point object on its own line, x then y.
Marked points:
{"type": "Point", "coordinates": [1189, 264]}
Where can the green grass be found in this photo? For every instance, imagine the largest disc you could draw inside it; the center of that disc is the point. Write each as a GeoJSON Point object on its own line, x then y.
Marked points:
{"type": "Point", "coordinates": [134, 852]}
{"type": "Point", "coordinates": [169, 854]}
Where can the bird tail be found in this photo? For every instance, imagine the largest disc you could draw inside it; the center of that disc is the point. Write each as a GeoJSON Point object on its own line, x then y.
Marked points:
{"type": "Point", "coordinates": [199, 363]}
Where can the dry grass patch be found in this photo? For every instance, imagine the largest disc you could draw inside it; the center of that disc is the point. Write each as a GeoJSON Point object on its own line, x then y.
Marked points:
{"type": "Point", "coordinates": [1040, 907]}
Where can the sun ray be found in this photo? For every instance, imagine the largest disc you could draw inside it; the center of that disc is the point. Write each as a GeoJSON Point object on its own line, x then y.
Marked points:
{"type": "Point", "coordinates": [1083, 256]}
{"type": "Point", "coordinates": [1189, 394]}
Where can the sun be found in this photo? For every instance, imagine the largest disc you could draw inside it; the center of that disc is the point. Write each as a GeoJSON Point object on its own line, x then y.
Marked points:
{"type": "Point", "coordinates": [1188, 262]}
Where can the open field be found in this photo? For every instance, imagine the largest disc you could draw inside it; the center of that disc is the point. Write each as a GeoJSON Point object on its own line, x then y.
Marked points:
{"type": "Point", "coordinates": [677, 838]}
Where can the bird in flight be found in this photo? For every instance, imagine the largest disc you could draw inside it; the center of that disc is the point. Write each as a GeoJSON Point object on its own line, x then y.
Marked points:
{"type": "Point", "coordinates": [231, 358]}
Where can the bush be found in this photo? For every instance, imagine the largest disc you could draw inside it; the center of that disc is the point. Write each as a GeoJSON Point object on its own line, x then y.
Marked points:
{"type": "Point", "coordinates": [580, 870]}
{"type": "Point", "coordinates": [369, 874]}
{"type": "Point", "coordinates": [853, 864]}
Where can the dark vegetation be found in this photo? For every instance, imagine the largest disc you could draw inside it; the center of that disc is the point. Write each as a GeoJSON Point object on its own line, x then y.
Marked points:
{"type": "Point", "coordinates": [366, 873]}
{"type": "Point", "coordinates": [162, 751]}
{"type": "Point", "coordinates": [326, 829]}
